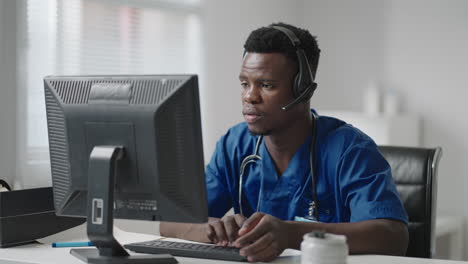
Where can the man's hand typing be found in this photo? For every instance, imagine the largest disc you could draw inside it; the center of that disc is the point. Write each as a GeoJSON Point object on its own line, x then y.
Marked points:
{"type": "Point", "coordinates": [262, 237]}
{"type": "Point", "coordinates": [224, 232]}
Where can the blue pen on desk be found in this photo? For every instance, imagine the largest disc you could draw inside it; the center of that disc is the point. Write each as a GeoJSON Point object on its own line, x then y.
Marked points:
{"type": "Point", "coordinates": [73, 244]}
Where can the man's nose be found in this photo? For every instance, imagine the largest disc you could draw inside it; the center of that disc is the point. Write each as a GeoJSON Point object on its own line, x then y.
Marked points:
{"type": "Point", "coordinates": [252, 95]}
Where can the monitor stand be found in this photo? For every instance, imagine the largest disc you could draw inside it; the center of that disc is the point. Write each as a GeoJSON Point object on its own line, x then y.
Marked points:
{"type": "Point", "coordinates": [100, 218]}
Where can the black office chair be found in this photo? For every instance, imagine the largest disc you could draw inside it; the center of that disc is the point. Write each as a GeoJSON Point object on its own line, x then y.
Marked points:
{"type": "Point", "coordinates": [415, 174]}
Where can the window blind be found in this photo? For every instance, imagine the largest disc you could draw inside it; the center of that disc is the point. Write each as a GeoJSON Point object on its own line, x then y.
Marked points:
{"type": "Point", "coordinates": [77, 37]}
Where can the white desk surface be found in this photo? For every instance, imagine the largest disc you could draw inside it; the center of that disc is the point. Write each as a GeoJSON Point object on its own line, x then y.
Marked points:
{"type": "Point", "coordinates": [44, 253]}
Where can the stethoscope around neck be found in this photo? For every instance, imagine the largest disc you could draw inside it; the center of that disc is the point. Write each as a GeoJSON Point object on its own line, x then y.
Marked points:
{"type": "Point", "coordinates": [313, 214]}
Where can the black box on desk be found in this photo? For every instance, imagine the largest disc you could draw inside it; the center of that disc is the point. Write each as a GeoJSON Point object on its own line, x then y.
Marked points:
{"type": "Point", "coordinates": [26, 215]}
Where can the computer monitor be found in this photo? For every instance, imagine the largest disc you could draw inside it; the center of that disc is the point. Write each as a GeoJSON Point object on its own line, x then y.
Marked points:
{"type": "Point", "coordinates": [127, 147]}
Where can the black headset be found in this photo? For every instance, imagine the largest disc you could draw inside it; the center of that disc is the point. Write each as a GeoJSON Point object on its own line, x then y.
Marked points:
{"type": "Point", "coordinates": [304, 85]}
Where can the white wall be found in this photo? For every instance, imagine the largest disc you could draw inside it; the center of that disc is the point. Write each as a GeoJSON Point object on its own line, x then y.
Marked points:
{"type": "Point", "coordinates": [426, 58]}
{"type": "Point", "coordinates": [226, 25]}
{"type": "Point", "coordinates": [7, 90]}
{"type": "Point", "coordinates": [351, 38]}
{"type": "Point", "coordinates": [419, 48]}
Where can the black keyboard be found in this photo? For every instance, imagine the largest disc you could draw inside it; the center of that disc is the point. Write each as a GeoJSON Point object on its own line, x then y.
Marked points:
{"type": "Point", "coordinates": [191, 250]}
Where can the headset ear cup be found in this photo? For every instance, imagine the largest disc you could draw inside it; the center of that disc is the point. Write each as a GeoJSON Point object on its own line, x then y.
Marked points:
{"type": "Point", "coordinates": [297, 86]}
{"type": "Point", "coordinates": [300, 88]}
{"type": "Point", "coordinates": [309, 91]}
{"type": "Point", "coordinates": [312, 90]}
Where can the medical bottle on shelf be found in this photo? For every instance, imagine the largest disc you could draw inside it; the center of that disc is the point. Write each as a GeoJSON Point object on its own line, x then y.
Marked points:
{"type": "Point", "coordinates": [371, 100]}
{"type": "Point", "coordinates": [390, 102]}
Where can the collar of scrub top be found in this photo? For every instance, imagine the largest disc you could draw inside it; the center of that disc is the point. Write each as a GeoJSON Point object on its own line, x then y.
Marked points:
{"type": "Point", "coordinates": [313, 206]}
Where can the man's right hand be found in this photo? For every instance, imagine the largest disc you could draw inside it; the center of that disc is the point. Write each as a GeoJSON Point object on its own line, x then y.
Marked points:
{"type": "Point", "coordinates": [225, 231]}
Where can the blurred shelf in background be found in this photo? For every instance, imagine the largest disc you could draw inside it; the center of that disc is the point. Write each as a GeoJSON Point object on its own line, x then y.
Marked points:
{"type": "Point", "coordinates": [396, 130]}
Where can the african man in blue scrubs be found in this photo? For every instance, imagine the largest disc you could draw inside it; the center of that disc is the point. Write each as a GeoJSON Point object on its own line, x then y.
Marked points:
{"type": "Point", "coordinates": [263, 167]}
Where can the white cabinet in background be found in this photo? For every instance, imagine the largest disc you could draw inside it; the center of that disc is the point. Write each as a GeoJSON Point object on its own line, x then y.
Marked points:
{"type": "Point", "coordinates": [396, 130]}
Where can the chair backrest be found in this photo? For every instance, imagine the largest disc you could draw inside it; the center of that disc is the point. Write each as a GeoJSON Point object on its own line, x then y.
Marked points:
{"type": "Point", "coordinates": [414, 172]}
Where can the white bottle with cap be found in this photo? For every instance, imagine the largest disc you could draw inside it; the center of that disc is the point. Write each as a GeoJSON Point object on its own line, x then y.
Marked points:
{"type": "Point", "coordinates": [390, 102]}
{"type": "Point", "coordinates": [372, 98]}
{"type": "Point", "coordinates": [323, 248]}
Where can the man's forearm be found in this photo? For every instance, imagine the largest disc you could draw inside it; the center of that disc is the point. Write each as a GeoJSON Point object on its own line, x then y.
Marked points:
{"type": "Point", "coordinates": [194, 232]}
{"type": "Point", "coordinates": [181, 230]}
{"type": "Point", "coordinates": [379, 236]}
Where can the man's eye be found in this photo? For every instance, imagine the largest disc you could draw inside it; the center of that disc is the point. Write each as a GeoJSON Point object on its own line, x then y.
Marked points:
{"type": "Point", "coordinates": [244, 84]}
{"type": "Point", "coordinates": [267, 85]}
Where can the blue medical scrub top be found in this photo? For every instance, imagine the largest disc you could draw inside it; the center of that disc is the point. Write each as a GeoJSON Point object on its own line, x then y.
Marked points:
{"type": "Point", "coordinates": [354, 181]}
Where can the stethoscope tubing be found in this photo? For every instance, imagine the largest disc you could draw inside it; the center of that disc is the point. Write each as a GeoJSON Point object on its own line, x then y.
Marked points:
{"type": "Point", "coordinates": [255, 156]}
{"type": "Point", "coordinates": [249, 159]}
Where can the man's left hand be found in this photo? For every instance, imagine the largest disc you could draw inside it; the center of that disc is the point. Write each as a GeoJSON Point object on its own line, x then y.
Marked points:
{"type": "Point", "coordinates": [262, 237]}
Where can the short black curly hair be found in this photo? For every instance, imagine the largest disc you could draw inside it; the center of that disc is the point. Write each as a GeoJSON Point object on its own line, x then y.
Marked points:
{"type": "Point", "coordinates": [270, 40]}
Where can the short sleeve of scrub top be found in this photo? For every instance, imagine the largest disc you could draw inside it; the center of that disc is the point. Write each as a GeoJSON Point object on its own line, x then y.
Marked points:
{"type": "Point", "coordinates": [367, 190]}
